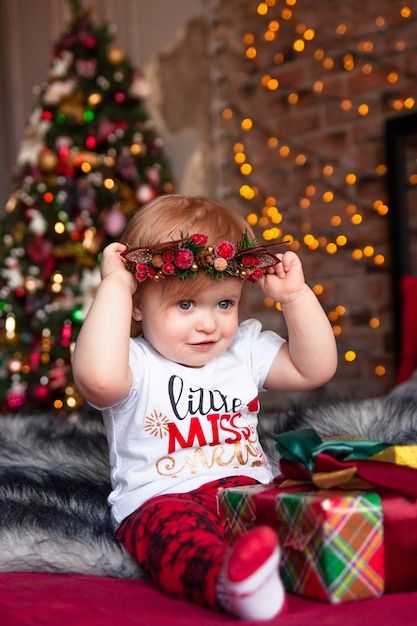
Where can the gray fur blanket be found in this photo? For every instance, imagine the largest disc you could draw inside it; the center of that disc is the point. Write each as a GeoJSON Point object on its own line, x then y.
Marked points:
{"type": "Point", "coordinates": [54, 479]}
{"type": "Point", "coordinates": [391, 418]}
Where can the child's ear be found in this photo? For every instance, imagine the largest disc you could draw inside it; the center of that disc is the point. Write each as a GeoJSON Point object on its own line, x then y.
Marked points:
{"type": "Point", "coordinates": [137, 312]}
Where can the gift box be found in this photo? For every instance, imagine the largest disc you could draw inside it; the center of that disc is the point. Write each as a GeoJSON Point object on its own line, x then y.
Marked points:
{"type": "Point", "coordinates": [333, 545]}
{"type": "Point", "coordinates": [336, 545]}
{"type": "Point", "coordinates": [237, 509]}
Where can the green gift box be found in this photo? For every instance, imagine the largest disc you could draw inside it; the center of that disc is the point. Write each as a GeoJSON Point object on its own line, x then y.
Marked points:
{"type": "Point", "coordinates": [332, 541]}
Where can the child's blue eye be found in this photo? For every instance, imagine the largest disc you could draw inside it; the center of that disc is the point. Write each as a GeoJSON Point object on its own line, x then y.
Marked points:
{"type": "Point", "coordinates": [185, 305]}
{"type": "Point", "coordinates": [224, 304]}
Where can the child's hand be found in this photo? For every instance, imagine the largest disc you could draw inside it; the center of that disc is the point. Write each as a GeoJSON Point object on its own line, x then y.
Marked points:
{"type": "Point", "coordinates": [284, 281]}
{"type": "Point", "coordinates": [114, 264]}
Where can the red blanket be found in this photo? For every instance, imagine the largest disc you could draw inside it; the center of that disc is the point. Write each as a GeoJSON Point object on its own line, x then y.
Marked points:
{"type": "Point", "coordinates": [73, 600]}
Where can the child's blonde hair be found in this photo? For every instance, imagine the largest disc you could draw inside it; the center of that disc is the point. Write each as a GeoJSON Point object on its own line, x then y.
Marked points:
{"type": "Point", "coordinates": [171, 217]}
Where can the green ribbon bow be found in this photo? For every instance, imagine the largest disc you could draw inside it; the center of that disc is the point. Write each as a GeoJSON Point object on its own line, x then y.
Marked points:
{"type": "Point", "coordinates": [303, 446]}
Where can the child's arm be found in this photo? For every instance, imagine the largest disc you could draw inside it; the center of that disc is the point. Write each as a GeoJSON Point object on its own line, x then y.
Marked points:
{"type": "Point", "coordinates": [101, 358]}
{"type": "Point", "coordinates": [309, 359]}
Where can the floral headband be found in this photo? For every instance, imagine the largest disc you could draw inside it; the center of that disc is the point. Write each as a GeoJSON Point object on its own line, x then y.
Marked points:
{"type": "Point", "coordinates": [185, 257]}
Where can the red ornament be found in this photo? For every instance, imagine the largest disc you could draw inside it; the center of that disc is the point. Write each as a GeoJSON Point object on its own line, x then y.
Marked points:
{"type": "Point", "coordinates": [40, 249]}
{"type": "Point", "coordinates": [184, 259]}
{"type": "Point", "coordinates": [88, 40]}
{"type": "Point", "coordinates": [168, 269]}
{"type": "Point", "coordinates": [41, 393]}
{"type": "Point", "coordinates": [258, 273]}
{"type": "Point", "coordinates": [141, 272]}
{"type": "Point", "coordinates": [250, 260]}
{"type": "Point", "coordinates": [198, 239]}
{"type": "Point", "coordinates": [168, 256]}
{"type": "Point", "coordinates": [91, 142]}
{"type": "Point", "coordinates": [225, 250]}
{"type": "Point", "coordinates": [66, 334]}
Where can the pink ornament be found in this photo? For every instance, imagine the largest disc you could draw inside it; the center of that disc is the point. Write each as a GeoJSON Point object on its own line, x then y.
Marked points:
{"type": "Point", "coordinates": [115, 223]}
{"type": "Point", "coordinates": [16, 396]}
{"type": "Point", "coordinates": [86, 67]}
{"type": "Point", "coordinates": [145, 193]}
{"type": "Point", "coordinates": [107, 128]}
{"type": "Point", "coordinates": [153, 175]}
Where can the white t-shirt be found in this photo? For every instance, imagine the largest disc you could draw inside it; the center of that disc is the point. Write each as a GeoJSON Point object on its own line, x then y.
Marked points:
{"type": "Point", "coordinates": [182, 427]}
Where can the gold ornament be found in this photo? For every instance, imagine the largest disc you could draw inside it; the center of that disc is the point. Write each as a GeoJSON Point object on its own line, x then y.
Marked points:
{"type": "Point", "coordinates": [91, 241]}
{"type": "Point", "coordinates": [12, 203]}
{"type": "Point", "coordinates": [128, 202]}
{"type": "Point", "coordinates": [76, 159]}
{"type": "Point", "coordinates": [73, 106]}
{"type": "Point", "coordinates": [115, 54]}
{"type": "Point", "coordinates": [48, 160]}
{"type": "Point", "coordinates": [157, 260]}
{"type": "Point", "coordinates": [220, 264]}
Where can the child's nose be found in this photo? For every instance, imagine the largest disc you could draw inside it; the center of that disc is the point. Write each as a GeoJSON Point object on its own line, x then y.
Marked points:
{"type": "Point", "coordinates": [206, 322]}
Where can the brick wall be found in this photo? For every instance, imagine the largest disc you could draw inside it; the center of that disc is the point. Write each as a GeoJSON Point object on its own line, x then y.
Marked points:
{"type": "Point", "coordinates": [326, 137]}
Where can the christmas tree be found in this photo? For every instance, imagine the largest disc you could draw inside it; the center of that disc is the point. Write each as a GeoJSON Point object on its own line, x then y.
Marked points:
{"type": "Point", "coordinates": [90, 156]}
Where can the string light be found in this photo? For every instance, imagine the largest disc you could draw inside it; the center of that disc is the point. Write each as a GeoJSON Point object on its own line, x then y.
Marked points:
{"type": "Point", "coordinates": [342, 188]}
{"type": "Point", "coordinates": [59, 228]}
{"type": "Point", "coordinates": [109, 183]}
{"type": "Point", "coordinates": [10, 327]}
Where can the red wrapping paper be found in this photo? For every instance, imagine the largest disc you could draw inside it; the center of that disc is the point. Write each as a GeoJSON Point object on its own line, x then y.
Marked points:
{"type": "Point", "coordinates": [400, 539]}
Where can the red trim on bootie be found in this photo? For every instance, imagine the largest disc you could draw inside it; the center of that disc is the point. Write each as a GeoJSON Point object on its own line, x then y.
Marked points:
{"type": "Point", "coordinates": [250, 552]}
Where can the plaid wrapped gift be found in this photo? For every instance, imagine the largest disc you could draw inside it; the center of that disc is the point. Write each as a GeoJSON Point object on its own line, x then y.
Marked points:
{"type": "Point", "coordinates": [336, 545]}
{"type": "Point", "coordinates": [332, 544]}
{"type": "Point", "coordinates": [237, 509]}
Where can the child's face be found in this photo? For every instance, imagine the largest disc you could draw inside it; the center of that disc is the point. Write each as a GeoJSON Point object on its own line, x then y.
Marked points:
{"type": "Point", "coordinates": [194, 330]}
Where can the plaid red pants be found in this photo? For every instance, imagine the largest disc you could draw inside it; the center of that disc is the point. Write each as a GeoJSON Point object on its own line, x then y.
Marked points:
{"type": "Point", "coordinates": [179, 541]}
